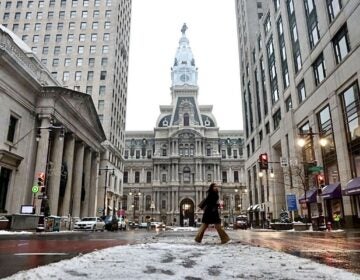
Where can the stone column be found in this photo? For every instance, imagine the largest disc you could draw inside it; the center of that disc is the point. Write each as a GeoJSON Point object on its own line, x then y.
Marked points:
{"type": "Point", "coordinates": [87, 179]}
{"type": "Point", "coordinates": [42, 157]}
{"type": "Point", "coordinates": [55, 173]}
{"type": "Point", "coordinates": [79, 167]}
{"type": "Point", "coordinates": [69, 161]}
{"type": "Point", "coordinates": [94, 184]}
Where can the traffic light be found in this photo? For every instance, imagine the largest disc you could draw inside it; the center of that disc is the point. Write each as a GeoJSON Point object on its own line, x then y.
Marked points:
{"type": "Point", "coordinates": [41, 181]}
{"type": "Point", "coordinates": [263, 161]}
{"type": "Point", "coordinates": [320, 180]}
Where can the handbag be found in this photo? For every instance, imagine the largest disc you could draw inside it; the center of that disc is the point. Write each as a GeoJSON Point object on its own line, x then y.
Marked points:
{"type": "Point", "coordinates": [202, 204]}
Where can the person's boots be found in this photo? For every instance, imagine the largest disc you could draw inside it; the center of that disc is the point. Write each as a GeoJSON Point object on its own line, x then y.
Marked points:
{"type": "Point", "coordinates": [200, 233]}
{"type": "Point", "coordinates": [223, 235]}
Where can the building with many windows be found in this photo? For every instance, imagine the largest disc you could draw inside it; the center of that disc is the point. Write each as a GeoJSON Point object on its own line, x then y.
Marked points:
{"type": "Point", "coordinates": [168, 171]}
{"type": "Point", "coordinates": [299, 64]}
{"type": "Point", "coordinates": [85, 45]}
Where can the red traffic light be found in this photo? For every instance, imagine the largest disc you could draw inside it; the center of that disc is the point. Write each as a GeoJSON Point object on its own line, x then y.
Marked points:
{"type": "Point", "coordinates": [41, 178]}
{"type": "Point", "coordinates": [263, 161]}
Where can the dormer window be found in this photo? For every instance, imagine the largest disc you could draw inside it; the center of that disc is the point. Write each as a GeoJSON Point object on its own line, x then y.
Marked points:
{"type": "Point", "coordinates": [186, 119]}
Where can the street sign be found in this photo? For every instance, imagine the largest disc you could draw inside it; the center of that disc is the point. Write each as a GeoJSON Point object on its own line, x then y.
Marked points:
{"type": "Point", "coordinates": [284, 162]}
{"type": "Point", "coordinates": [35, 189]}
{"type": "Point", "coordinates": [315, 168]}
{"type": "Point", "coordinates": [291, 202]}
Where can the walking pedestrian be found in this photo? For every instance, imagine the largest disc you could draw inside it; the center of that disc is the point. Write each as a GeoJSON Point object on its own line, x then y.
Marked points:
{"type": "Point", "coordinates": [211, 215]}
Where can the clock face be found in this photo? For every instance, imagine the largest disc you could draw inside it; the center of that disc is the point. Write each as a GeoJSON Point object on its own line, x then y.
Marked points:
{"type": "Point", "coordinates": [184, 77]}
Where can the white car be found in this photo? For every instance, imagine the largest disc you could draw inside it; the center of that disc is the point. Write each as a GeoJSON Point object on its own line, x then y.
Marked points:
{"type": "Point", "coordinates": [90, 223]}
{"type": "Point", "coordinates": [157, 225]}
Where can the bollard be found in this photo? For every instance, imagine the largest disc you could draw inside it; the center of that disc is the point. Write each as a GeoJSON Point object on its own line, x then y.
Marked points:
{"type": "Point", "coordinates": [328, 226]}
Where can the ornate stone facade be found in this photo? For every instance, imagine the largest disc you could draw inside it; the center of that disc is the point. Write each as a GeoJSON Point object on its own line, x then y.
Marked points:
{"type": "Point", "coordinates": [172, 166]}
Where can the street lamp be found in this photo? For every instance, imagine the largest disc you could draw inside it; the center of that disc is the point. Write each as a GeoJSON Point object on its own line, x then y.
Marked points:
{"type": "Point", "coordinates": [106, 169]}
{"type": "Point", "coordinates": [136, 194]}
{"type": "Point", "coordinates": [306, 141]}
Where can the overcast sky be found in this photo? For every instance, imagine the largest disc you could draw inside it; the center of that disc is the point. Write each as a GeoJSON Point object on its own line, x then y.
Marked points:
{"type": "Point", "coordinates": [155, 34]}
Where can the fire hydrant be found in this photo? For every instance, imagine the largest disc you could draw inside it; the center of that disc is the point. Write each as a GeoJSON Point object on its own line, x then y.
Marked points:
{"type": "Point", "coordinates": [328, 226]}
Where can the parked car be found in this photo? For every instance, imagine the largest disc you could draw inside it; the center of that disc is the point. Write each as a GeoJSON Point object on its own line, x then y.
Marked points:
{"type": "Point", "coordinates": [143, 225]}
{"type": "Point", "coordinates": [241, 222]}
{"type": "Point", "coordinates": [122, 224]}
{"type": "Point", "coordinates": [111, 222]}
{"type": "Point", "coordinates": [90, 223]}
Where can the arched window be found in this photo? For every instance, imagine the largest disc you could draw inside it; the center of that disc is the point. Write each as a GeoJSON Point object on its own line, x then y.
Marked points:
{"type": "Point", "coordinates": [186, 119]}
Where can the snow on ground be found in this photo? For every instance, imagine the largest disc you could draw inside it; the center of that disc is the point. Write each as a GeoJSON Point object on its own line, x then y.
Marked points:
{"type": "Point", "coordinates": [176, 256]}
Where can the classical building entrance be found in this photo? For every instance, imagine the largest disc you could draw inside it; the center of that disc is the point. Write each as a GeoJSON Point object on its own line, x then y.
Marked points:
{"type": "Point", "coordinates": [186, 212]}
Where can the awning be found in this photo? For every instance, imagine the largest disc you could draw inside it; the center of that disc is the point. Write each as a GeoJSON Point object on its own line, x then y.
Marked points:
{"type": "Point", "coordinates": [331, 191]}
{"type": "Point", "coordinates": [256, 207]}
{"type": "Point", "coordinates": [310, 196]}
{"type": "Point", "coordinates": [353, 187]}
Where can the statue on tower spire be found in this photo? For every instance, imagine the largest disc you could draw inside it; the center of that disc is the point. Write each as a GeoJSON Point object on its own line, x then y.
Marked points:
{"type": "Point", "coordinates": [184, 28]}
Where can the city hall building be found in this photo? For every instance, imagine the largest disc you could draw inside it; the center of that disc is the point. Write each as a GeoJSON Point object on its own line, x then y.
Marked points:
{"type": "Point", "coordinates": [299, 67]}
{"type": "Point", "coordinates": [168, 171]}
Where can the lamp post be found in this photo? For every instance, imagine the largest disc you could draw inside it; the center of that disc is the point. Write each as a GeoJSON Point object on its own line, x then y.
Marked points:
{"type": "Point", "coordinates": [306, 140]}
{"type": "Point", "coordinates": [136, 194]}
{"type": "Point", "coordinates": [106, 169]}
{"type": "Point", "coordinates": [152, 207]}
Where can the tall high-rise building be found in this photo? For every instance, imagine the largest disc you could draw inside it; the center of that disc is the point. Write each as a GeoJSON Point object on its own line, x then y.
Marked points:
{"type": "Point", "coordinates": [85, 46]}
{"type": "Point", "coordinates": [299, 67]}
{"type": "Point", "coordinates": [168, 171]}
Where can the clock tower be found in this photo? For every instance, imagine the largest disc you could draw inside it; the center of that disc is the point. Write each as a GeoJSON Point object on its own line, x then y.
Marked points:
{"type": "Point", "coordinates": [184, 71]}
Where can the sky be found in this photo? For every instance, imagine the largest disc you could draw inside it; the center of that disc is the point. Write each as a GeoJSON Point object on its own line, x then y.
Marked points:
{"type": "Point", "coordinates": [154, 39]}
{"type": "Point", "coordinates": [179, 257]}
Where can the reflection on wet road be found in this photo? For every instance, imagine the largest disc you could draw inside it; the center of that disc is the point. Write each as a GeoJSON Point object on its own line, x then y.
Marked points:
{"type": "Point", "coordinates": [338, 249]}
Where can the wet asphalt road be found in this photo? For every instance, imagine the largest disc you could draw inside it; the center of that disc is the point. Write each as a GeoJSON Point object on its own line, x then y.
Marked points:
{"type": "Point", "coordinates": [22, 252]}
{"type": "Point", "coordinates": [339, 249]}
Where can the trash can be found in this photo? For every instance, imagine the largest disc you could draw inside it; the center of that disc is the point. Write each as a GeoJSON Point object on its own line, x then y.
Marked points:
{"type": "Point", "coordinates": [53, 223]}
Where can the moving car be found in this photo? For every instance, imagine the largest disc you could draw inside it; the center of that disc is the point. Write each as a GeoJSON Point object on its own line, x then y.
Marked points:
{"type": "Point", "coordinates": [241, 222]}
{"type": "Point", "coordinates": [111, 222]}
{"type": "Point", "coordinates": [90, 223]}
{"type": "Point", "coordinates": [157, 225]}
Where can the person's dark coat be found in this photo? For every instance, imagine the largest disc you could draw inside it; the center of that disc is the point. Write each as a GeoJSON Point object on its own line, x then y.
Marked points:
{"type": "Point", "coordinates": [211, 212]}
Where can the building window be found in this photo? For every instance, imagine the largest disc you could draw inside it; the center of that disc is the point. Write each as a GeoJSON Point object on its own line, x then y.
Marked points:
{"type": "Point", "coordinates": [341, 44]}
{"type": "Point", "coordinates": [106, 37]}
{"type": "Point", "coordinates": [163, 178]}
{"type": "Point", "coordinates": [312, 24]}
{"type": "Point", "coordinates": [137, 177]}
{"type": "Point", "coordinates": [223, 153]}
{"type": "Point", "coordinates": [125, 177]}
{"type": "Point", "coordinates": [92, 49]}
{"type": "Point", "coordinates": [82, 37]}
{"type": "Point", "coordinates": [78, 76]}
{"type": "Point", "coordinates": [89, 90]}
{"type": "Point", "coordinates": [79, 62]}
{"type": "Point", "coordinates": [148, 154]}
{"type": "Point", "coordinates": [90, 75]}
{"type": "Point", "coordinates": [101, 104]}
{"type": "Point", "coordinates": [80, 49]}
{"type": "Point", "coordinates": [104, 61]}
{"type": "Point", "coordinates": [277, 119]}
{"type": "Point", "coordinates": [55, 62]}
{"type": "Point", "coordinates": [334, 7]}
{"type": "Point", "coordinates": [57, 50]}
{"type": "Point", "coordinates": [319, 69]}
{"type": "Point", "coordinates": [107, 25]}
{"type": "Point", "coordinates": [66, 76]}
{"type": "Point", "coordinates": [67, 61]}
{"type": "Point", "coordinates": [62, 15]}
{"type": "Point", "coordinates": [103, 75]}
{"type": "Point", "coordinates": [84, 14]}
{"type": "Point", "coordinates": [224, 177]}
{"type": "Point", "coordinates": [102, 90]}
{"type": "Point", "coordinates": [83, 25]}
{"type": "Point", "coordinates": [267, 24]}
{"type": "Point", "coordinates": [301, 91]}
{"type": "Point", "coordinates": [50, 15]}
{"type": "Point", "coordinates": [288, 104]}
{"type": "Point", "coordinates": [91, 62]}
{"type": "Point", "coordinates": [12, 129]}
{"type": "Point", "coordinates": [148, 177]}
{"type": "Point", "coordinates": [126, 154]}
{"type": "Point", "coordinates": [236, 176]}
{"type": "Point", "coordinates": [235, 153]}
{"type": "Point", "coordinates": [68, 49]}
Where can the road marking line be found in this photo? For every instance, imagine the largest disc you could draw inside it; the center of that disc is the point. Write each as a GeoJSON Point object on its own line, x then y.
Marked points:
{"type": "Point", "coordinates": [40, 254]}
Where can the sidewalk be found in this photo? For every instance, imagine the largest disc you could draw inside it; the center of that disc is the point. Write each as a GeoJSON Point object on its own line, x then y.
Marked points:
{"type": "Point", "coordinates": [175, 255]}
